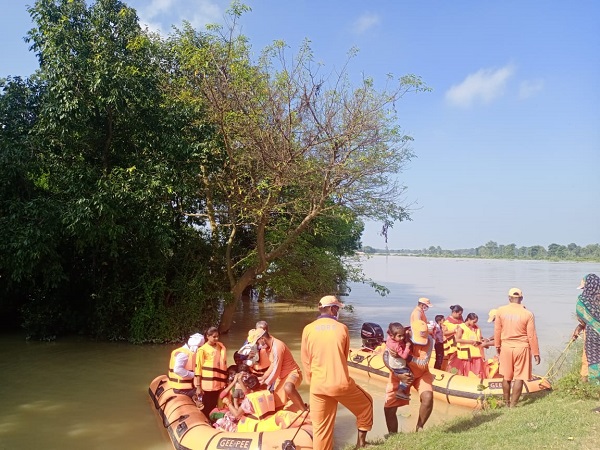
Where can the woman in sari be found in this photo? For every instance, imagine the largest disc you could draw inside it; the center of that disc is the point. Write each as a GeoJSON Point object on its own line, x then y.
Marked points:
{"type": "Point", "coordinates": [588, 312]}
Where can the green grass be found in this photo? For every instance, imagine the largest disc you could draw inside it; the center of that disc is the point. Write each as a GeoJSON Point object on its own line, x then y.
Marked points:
{"type": "Point", "coordinates": [562, 419]}
{"type": "Point", "coordinates": [550, 422]}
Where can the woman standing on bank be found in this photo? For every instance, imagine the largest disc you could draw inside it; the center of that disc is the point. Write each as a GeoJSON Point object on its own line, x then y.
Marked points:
{"type": "Point", "coordinates": [588, 312]}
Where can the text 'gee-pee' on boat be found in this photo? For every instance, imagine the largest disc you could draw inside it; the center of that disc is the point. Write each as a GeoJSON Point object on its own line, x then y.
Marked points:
{"type": "Point", "coordinates": [189, 428]}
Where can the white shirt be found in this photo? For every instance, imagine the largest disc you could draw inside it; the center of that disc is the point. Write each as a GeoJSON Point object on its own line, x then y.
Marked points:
{"type": "Point", "coordinates": [181, 360]}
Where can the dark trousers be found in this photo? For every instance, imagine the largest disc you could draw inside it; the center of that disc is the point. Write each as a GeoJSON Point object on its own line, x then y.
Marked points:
{"type": "Point", "coordinates": [439, 355]}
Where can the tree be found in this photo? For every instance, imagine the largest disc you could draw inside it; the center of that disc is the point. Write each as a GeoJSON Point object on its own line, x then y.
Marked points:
{"type": "Point", "coordinates": [111, 160]}
{"type": "Point", "coordinates": [294, 146]}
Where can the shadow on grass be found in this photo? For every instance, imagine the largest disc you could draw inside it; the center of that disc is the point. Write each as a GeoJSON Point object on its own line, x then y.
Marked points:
{"type": "Point", "coordinates": [474, 421]}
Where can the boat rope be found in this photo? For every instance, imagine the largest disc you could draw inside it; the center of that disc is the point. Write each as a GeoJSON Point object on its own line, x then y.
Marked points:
{"type": "Point", "coordinates": [555, 367]}
{"type": "Point", "coordinates": [289, 444]}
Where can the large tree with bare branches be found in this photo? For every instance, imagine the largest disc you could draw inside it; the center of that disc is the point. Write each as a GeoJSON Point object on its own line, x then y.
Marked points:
{"type": "Point", "coordinates": [295, 144]}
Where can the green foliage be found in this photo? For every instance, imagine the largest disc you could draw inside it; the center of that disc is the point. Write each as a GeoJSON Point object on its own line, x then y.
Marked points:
{"type": "Point", "coordinates": [554, 252]}
{"type": "Point", "coordinates": [150, 181]}
{"type": "Point", "coordinates": [98, 162]}
{"type": "Point", "coordinates": [572, 385]}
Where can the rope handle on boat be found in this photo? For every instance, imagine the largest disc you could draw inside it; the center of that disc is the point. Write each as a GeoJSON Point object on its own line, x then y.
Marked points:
{"type": "Point", "coordinates": [289, 444]}
{"type": "Point", "coordinates": [182, 417]}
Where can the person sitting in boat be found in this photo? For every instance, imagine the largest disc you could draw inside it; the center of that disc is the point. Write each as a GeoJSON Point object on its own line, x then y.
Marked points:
{"type": "Point", "coordinates": [257, 405]}
{"type": "Point", "coordinates": [283, 376]}
{"type": "Point", "coordinates": [400, 347]}
{"type": "Point", "coordinates": [181, 366]}
{"type": "Point", "coordinates": [450, 324]}
{"type": "Point", "coordinates": [234, 390]}
{"type": "Point", "coordinates": [469, 353]}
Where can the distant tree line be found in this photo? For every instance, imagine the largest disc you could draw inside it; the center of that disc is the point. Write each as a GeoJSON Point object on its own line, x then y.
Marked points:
{"type": "Point", "coordinates": [555, 252]}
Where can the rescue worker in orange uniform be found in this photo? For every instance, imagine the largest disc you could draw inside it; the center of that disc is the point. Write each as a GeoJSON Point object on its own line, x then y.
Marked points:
{"type": "Point", "coordinates": [516, 341]}
{"type": "Point", "coordinates": [211, 375]}
{"type": "Point", "coordinates": [324, 351]}
{"type": "Point", "coordinates": [283, 375]}
{"type": "Point", "coordinates": [421, 379]}
{"type": "Point", "coordinates": [419, 312]}
{"type": "Point", "coordinates": [181, 366]}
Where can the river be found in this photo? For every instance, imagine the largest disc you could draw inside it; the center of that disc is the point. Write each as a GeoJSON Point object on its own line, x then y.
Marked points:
{"type": "Point", "coordinates": [78, 394]}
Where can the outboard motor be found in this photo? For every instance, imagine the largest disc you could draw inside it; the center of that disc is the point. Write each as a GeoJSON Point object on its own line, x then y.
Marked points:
{"type": "Point", "coordinates": [372, 335]}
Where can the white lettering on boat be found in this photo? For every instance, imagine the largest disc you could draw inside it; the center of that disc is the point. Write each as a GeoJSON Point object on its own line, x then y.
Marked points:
{"type": "Point", "coordinates": [233, 443]}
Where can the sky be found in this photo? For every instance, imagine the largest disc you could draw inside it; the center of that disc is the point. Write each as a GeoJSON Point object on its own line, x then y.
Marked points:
{"type": "Point", "coordinates": [507, 143]}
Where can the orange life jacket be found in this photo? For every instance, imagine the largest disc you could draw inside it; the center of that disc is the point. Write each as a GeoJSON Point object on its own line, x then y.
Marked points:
{"type": "Point", "coordinates": [175, 381]}
{"type": "Point", "coordinates": [211, 364]}
{"type": "Point", "coordinates": [468, 351]}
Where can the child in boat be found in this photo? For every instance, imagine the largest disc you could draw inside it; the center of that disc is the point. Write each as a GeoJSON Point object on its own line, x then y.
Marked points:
{"type": "Point", "coordinates": [235, 389]}
{"type": "Point", "coordinates": [399, 344]}
{"type": "Point", "coordinates": [246, 416]}
{"type": "Point", "coordinates": [438, 338]}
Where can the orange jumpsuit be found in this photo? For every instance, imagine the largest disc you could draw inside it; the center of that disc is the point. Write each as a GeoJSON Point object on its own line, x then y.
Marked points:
{"type": "Point", "coordinates": [419, 366]}
{"type": "Point", "coordinates": [515, 335]}
{"type": "Point", "coordinates": [324, 351]}
{"type": "Point", "coordinates": [417, 314]}
{"type": "Point", "coordinates": [283, 368]}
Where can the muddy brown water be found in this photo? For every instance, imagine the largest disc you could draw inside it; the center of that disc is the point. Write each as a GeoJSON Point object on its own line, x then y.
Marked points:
{"type": "Point", "coordinates": [77, 394]}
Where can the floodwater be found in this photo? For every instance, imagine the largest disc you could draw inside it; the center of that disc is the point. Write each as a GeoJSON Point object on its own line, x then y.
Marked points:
{"type": "Point", "coordinates": [78, 394]}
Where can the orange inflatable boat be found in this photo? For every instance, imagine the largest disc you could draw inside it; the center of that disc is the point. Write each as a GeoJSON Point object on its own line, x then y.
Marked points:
{"type": "Point", "coordinates": [189, 429]}
{"type": "Point", "coordinates": [448, 387]}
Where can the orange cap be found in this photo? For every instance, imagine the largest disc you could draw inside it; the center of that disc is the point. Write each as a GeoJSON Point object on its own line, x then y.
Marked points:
{"type": "Point", "coordinates": [425, 301]}
{"type": "Point", "coordinates": [515, 292]}
{"type": "Point", "coordinates": [330, 300]}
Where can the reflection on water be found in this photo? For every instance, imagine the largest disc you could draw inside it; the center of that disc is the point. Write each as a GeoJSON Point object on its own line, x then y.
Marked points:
{"type": "Point", "coordinates": [80, 394]}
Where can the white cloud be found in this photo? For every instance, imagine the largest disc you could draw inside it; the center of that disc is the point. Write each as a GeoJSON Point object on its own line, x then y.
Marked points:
{"type": "Point", "coordinates": [365, 22]}
{"type": "Point", "coordinates": [529, 88]}
{"type": "Point", "coordinates": [160, 15]}
{"type": "Point", "coordinates": [483, 86]}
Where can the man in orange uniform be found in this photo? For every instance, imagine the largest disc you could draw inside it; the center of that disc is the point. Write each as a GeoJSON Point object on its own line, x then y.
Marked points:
{"type": "Point", "coordinates": [324, 351]}
{"type": "Point", "coordinates": [283, 375]}
{"type": "Point", "coordinates": [419, 312]}
{"type": "Point", "coordinates": [421, 378]}
{"type": "Point", "coordinates": [516, 340]}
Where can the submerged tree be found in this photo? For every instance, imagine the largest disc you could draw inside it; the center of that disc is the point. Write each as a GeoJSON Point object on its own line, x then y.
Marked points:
{"type": "Point", "coordinates": [104, 251]}
{"type": "Point", "coordinates": [295, 145]}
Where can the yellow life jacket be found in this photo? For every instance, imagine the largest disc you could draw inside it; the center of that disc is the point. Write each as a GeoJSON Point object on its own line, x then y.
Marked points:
{"type": "Point", "coordinates": [493, 365]}
{"type": "Point", "coordinates": [213, 368]}
{"type": "Point", "coordinates": [450, 342]}
{"type": "Point", "coordinates": [468, 351]}
{"type": "Point", "coordinates": [263, 418]}
{"type": "Point", "coordinates": [175, 381]}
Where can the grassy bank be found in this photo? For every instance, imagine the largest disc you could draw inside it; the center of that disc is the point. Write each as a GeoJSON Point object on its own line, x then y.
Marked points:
{"type": "Point", "coordinates": [551, 422]}
{"type": "Point", "coordinates": [563, 419]}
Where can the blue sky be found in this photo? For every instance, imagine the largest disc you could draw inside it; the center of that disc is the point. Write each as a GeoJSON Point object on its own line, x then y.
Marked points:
{"type": "Point", "coordinates": [508, 141]}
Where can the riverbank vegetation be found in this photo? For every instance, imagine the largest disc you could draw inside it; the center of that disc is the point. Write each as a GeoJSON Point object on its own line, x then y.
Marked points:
{"type": "Point", "coordinates": [150, 182]}
{"type": "Point", "coordinates": [554, 252]}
